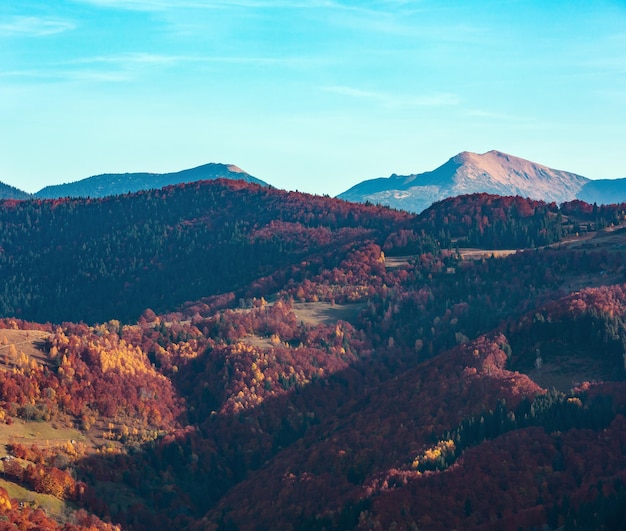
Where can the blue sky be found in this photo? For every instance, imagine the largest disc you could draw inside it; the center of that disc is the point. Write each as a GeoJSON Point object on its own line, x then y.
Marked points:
{"type": "Point", "coordinates": [310, 95]}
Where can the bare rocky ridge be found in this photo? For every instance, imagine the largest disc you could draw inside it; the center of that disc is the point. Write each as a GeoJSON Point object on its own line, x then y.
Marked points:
{"type": "Point", "coordinates": [492, 172]}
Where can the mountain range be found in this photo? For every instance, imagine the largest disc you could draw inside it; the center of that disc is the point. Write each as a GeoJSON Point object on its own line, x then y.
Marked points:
{"type": "Point", "coordinates": [493, 173]}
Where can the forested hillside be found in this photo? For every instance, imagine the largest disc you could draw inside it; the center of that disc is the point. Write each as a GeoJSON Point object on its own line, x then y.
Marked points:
{"type": "Point", "coordinates": [123, 183]}
{"type": "Point", "coordinates": [256, 359]}
{"type": "Point", "coordinates": [94, 260]}
{"type": "Point", "coordinates": [10, 192]}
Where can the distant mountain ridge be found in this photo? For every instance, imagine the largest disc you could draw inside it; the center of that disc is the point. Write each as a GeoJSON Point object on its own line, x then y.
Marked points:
{"type": "Point", "coordinates": [10, 192]}
{"type": "Point", "coordinates": [603, 191]}
{"type": "Point", "coordinates": [108, 184]}
{"type": "Point", "coordinates": [493, 172]}
{"type": "Point", "coordinates": [121, 183]}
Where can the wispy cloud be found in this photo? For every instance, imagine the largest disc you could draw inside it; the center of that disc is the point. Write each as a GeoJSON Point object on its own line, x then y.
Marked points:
{"type": "Point", "coordinates": [135, 59]}
{"type": "Point", "coordinates": [389, 17]}
{"type": "Point", "coordinates": [159, 5]}
{"type": "Point", "coordinates": [129, 66]}
{"type": "Point", "coordinates": [97, 69]}
{"type": "Point", "coordinates": [437, 99]}
{"type": "Point", "coordinates": [106, 69]}
{"type": "Point", "coordinates": [65, 75]}
{"type": "Point", "coordinates": [34, 26]}
{"type": "Point", "coordinates": [132, 59]}
{"type": "Point", "coordinates": [499, 117]}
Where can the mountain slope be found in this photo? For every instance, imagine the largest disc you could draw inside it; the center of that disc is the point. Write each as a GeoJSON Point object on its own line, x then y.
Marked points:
{"type": "Point", "coordinates": [122, 183]}
{"type": "Point", "coordinates": [492, 172]}
{"type": "Point", "coordinates": [10, 192]}
{"type": "Point", "coordinates": [603, 191]}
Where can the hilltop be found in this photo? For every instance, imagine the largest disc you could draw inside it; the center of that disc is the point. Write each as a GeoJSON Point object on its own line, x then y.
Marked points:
{"type": "Point", "coordinates": [110, 184]}
{"type": "Point", "coordinates": [122, 183]}
{"type": "Point", "coordinates": [10, 192]}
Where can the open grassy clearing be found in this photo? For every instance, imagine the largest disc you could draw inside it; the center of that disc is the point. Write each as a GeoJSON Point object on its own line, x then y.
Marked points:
{"type": "Point", "coordinates": [565, 373]}
{"type": "Point", "coordinates": [58, 509]}
{"type": "Point", "coordinates": [479, 254]}
{"type": "Point", "coordinates": [395, 262]}
{"type": "Point", "coordinates": [608, 236]}
{"type": "Point", "coordinates": [565, 366]}
{"type": "Point", "coordinates": [15, 342]}
{"type": "Point", "coordinates": [611, 240]}
{"type": "Point", "coordinates": [314, 314]}
{"type": "Point", "coordinates": [258, 341]}
{"type": "Point", "coordinates": [43, 434]}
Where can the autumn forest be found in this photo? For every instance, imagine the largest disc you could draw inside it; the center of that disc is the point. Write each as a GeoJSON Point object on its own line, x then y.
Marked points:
{"type": "Point", "coordinates": [222, 355]}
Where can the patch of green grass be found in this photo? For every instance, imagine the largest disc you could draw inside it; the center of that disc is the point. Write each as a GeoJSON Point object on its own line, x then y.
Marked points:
{"type": "Point", "coordinates": [40, 433]}
{"type": "Point", "coordinates": [57, 509]}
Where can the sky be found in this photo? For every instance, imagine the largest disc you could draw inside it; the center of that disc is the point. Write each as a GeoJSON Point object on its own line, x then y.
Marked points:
{"type": "Point", "coordinates": [315, 95]}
